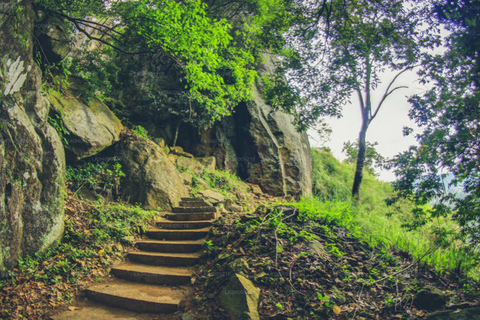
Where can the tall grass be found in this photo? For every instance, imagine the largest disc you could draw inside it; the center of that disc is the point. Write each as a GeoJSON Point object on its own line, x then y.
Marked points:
{"type": "Point", "coordinates": [381, 225]}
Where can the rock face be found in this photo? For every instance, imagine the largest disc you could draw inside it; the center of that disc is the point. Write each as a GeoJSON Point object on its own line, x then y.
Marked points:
{"type": "Point", "coordinates": [278, 158]}
{"type": "Point", "coordinates": [151, 178]}
{"type": "Point", "coordinates": [240, 298]}
{"type": "Point", "coordinates": [259, 144]}
{"type": "Point", "coordinates": [92, 128]}
{"type": "Point", "coordinates": [32, 160]}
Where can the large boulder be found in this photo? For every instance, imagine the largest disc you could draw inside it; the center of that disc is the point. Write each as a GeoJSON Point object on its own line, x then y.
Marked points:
{"type": "Point", "coordinates": [92, 127]}
{"type": "Point", "coordinates": [32, 160]}
{"type": "Point", "coordinates": [240, 298]}
{"type": "Point", "coordinates": [151, 178]}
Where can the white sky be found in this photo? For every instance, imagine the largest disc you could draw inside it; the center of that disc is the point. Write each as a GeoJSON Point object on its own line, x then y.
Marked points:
{"type": "Point", "coordinates": [386, 128]}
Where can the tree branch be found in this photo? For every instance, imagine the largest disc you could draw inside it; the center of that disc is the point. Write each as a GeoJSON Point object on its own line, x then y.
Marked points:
{"type": "Point", "coordinates": [389, 92]}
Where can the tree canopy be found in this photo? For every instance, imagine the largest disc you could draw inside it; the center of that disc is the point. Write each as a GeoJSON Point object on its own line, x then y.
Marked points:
{"type": "Point", "coordinates": [213, 57]}
{"type": "Point", "coordinates": [448, 156]}
{"type": "Point", "coordinates": [342, 49]}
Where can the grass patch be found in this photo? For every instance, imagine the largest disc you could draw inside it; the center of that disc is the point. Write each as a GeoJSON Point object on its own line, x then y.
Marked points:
{"type": "Point", "coordinates": [381, 225]}
{"type": "Point", "coordinates": [223, 181]}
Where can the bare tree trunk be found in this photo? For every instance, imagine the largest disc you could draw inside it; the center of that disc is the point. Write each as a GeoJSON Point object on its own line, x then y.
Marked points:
{"type": "Point", "coordinates": [176, 134]}
{"type": "Point", "coordinates": [360, 161]}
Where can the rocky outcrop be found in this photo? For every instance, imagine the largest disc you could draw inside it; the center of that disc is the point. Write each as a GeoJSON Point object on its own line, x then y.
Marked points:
{"type": "Point", "coordinates": [151, 178]}
{"type": "Point", "coordinates": [240, 298]}
{"type": "Point", "coordinates": [32, 160]}
{"type": "Point", "coordinates": [257, 143]}
{"type": "Point", "coordinates": [279, 158]}
{"type": "Point", "coordinates": [91, 128]}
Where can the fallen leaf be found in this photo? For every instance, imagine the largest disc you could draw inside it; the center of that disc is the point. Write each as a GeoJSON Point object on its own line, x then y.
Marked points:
{"type": "Point", "coordinates": [336, 310]}
{"type": "Point", "coordinates": [72, 308]}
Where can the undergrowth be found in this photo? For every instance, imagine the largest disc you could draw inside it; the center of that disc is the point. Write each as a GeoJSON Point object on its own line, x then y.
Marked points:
{"type": "Point", "coordinates": [381, 225]}
{"type": "Point", "coordinates": [95, 236]}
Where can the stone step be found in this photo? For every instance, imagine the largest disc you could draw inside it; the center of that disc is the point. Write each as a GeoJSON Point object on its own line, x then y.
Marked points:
{"type": "Point", "coordinates": [89, 310]}
{"type": "Point", "coordinates": [194, 209]}
{"type": "Point", "coordinates": [164, 259]}
{"type": "Point", "coordinates": [191, 199]}
{"type": "Point", "coordinates": [152, 274]}
{"type": "Point", "coordinates": [177, 234]}
{"type": "Point", "coordinates": [137, 297]}
{"type": "Point", "coordinates": [193, 204]}
{"type": "Point", "coordinates": [167, 224]}
{"type": "Point", "coordinates": [170, 246]}
{"type": "Point", "coordinates": [199, 216]}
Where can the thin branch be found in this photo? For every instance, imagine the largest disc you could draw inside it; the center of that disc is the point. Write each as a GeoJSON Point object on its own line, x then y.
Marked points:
{"type": "Point", "coordinates": [389, 92]}
{"type": "Point", "coordinates": [89, 36]}
{"type": "Point", "coordinates": [385, 97]}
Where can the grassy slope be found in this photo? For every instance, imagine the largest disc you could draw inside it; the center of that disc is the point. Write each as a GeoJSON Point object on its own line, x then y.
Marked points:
{"type": "Point", "coordinates": [380, 224]}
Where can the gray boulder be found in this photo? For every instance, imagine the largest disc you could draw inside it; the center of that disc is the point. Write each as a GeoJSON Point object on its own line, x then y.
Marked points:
{"type": "Point", "coordinates": [240, 298]}
{"type": "Point", "coordinates": [32, 160]}
{"type": "Point", "coordinates": [151, 178]}
{"type": "Point", "coordinates": [92, 127]}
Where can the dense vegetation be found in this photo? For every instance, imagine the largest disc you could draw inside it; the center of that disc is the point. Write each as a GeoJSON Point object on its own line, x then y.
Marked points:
{"type": "Point", "coordinates": [372, 219]}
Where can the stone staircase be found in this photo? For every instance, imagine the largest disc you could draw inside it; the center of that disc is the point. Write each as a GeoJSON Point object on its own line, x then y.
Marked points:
{"type": "Point", "coordinates": [157, 275]}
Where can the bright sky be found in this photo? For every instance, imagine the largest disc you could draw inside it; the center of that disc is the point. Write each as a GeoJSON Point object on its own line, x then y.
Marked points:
{"type": "Point", "coordinates": [386, 128]}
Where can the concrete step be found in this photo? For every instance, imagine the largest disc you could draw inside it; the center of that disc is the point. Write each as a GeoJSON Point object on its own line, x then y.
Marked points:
{"type": "Point", "coordinates": [170, 246]}
{"type": "Point", "coordinates": [191, 204]}
{"type": "Point", "coordinates": [194, 209]}
{"type": "Point", "coordinates": [137, 297]}
{"type": "Point", "coordinates": [164, 259]}
{"type": "Point", "coordinates": [168, 224]}
{"type": "Point", "coordinates": [199, 216]}
{"type": "Point", "coordinates": [177, 234]}
{"type": "Point", "coordinates": [152, 274]}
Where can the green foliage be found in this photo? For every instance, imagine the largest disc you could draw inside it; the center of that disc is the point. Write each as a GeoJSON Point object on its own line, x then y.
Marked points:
{"type": "Point", "coordinates": [373, 159]}
{"type": "Point", "coordinates": [217, 74]}
{"type": "Point", "coordinates": [373, 220]}
{"type": "Point", "coordinates": [444, 170]}
{"type": "Point", "coordinates": [86, 238]}
{"type": "Point", "coordinates": [141, 132]}
{"type": "Point", "coordinates": [101, 177]}
{"type": "Point", "coordinates": [223, 181]}
{"type": "Point", "coordinates": [57, 123]}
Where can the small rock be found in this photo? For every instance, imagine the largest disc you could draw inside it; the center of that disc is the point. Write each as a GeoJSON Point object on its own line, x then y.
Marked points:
{"type": "Point", "coordinates": [430, 299]}
{"type": "Point", "coordinates": [208, 162]}
{"type": "Point", "coordinates": [240, 298]}
{"type": "Point", "coordinates": [236, 208]}
{"type": "Point", "coordinates": [255, 188]}
{"type": "Point", "coordinates": [212, 196]}
{"type": "Point", "coordinates": [179, 152]}
{"type": "Point", "coordinates": [184, 163]}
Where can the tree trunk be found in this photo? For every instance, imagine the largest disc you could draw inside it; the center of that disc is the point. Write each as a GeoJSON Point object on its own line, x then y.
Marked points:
{"type": "Point", "coordinates": [360, 160]}
{"type": "Point", "coordinates": [176, 134]}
